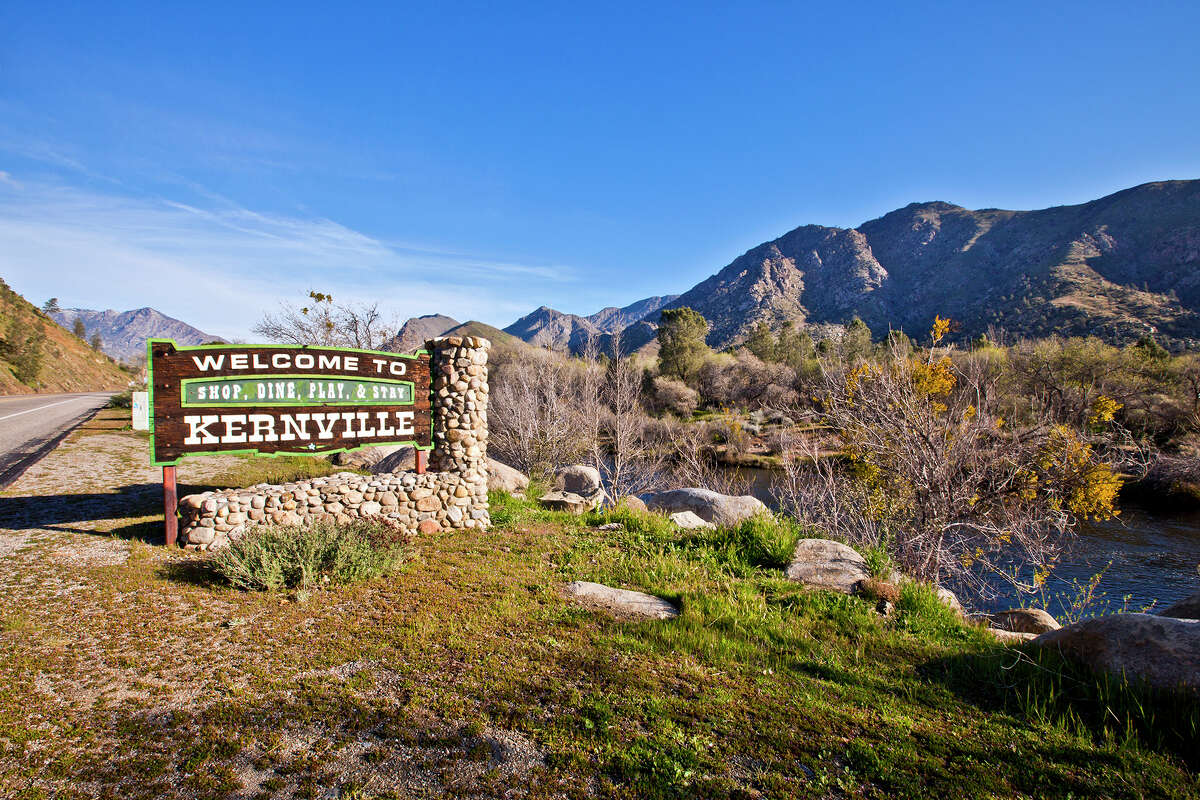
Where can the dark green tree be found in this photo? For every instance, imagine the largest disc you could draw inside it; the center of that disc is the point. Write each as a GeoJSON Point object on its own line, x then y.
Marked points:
{"type": "Point", "coordinates": [795, 346]}
{"type": "Point", "coordinates": [682, 348]}
{"type": "Point", "coordinates": [763, 343]}
{"type": "Point", "coordinates": [51, 305]}
{"type": "Point", "coordinates": [78, 329]}
{"type": "Point", "coordinates": [856, 341]}
{"type": "Point", "coordinates": [95, 342]}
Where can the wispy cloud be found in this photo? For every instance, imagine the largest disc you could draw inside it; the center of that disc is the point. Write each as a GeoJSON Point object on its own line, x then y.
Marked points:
{"type": "Point", "coordinates": [220, 267]}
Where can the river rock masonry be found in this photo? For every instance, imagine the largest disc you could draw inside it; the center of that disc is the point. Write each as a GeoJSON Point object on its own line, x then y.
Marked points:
{"type": "Point", "coordinates": [452, 495]}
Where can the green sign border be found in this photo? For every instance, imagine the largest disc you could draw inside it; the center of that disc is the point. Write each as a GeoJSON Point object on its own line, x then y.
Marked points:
{"type": "Point", "coordinates": [276, 404]}
{"type": "Point", "coordinates": [154, 461]}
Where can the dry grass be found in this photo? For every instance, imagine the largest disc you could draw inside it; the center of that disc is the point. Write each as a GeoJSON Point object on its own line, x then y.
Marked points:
{"type": "Point", "coordinates": [466, 673]}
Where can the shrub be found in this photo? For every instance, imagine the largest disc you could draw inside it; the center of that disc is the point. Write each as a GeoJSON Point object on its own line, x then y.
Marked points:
{"type": "Point", "coordinates": [270, 558]}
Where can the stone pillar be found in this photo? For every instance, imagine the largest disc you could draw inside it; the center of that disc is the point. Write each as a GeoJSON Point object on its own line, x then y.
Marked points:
{"type": "Point", "coordinates": [458, 368]}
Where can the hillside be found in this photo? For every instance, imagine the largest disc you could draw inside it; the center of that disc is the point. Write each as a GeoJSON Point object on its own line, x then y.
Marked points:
{"type": "Point", "coordinates": [123, 334]}
{"type": "Point", "coordinates": [1117, 267]}
{"type": "Point", "coordinates": [414, 333]}
{"type": "Point", "coordinates": [499, 339]}
{"type": "Point", "coordinates": [66, 364]}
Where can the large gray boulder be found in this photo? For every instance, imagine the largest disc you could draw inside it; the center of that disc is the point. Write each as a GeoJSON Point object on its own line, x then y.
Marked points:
{"type": "Point", "coordinates": [710, 506]}
{"type": "Point", "coordinates": [1025, 620]}
{"type": "Point", "coordinates": [825, 564]}
{"type": "Point", "coordinates": [503, 478]}
{"type": "Point", "coordinates": [366, 457]}
{"type": "Point", "coordinates": [622, 603]}
{"type": "Point", "coordinates": [577, 489]}
{"type": "Point", "coordinates": [1187, 608]}
{"type": "Point", "coordinates": [397, 458]}
{"type": "Point", "coordinates": [1162, 651]}
{"type": "Point", "coordinates": [578, 479]}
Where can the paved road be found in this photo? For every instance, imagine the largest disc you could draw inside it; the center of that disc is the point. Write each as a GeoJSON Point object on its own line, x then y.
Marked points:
{"type": "Point", "coordinates": [30, 426]}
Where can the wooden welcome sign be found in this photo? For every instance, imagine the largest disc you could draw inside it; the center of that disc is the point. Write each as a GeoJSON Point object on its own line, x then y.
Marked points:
{"type": "Point", "coordinates": [279, 399]}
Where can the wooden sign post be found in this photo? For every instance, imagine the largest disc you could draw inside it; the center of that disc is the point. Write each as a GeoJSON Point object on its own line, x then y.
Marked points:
{"type": "Point", "coordinates": [273, 400]}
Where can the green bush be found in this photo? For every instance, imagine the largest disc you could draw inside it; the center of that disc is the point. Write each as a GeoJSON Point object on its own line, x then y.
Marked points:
{"type": "Point", "coordinates": [121, 400]}
{"type": "Point", "coordinates": [270, 558]}
{"type": "Point", "coordinates": [759, 541]}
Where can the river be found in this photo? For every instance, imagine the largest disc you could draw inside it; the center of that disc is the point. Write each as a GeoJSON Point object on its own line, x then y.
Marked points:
{"type": "Point", "coordinates": [1145, 554]}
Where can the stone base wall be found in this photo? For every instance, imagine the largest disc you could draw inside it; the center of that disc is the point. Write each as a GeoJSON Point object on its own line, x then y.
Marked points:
{"type": "Point", "coordinates": [424, 503]}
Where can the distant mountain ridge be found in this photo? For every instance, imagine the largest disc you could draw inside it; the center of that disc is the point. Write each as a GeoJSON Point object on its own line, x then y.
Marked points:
{"type": "Point", "coordinates": [1119, 267]}
{"type": "Point", "coordinates": [546, 327]}
{"type": "Point", "coordinates": [123, 334]}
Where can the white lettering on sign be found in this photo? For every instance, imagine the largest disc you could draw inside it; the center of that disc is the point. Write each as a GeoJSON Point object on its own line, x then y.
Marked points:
{"type": "Point", "coordinates": [242, 428]}
{"type": "Point", "coordinates": [258, 361]}
{"type": "Point", "coordinates": [198, 429]}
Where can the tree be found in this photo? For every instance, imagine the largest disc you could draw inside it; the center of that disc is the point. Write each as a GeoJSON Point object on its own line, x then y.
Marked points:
{"type": "Point", "coordinates": [856, 341]}
{"type": "Point", "coordinates": [51, 306]}
{"type": "Point", "coordinates": [682, 348]}
{"type": "Point", "coordinates": [763, 343]}
{"type": "Point", "coordinates": [78, 328]}
{"type": "Point", "coordinates": [327, 324]}
{"type": "Point", "coordinates": [95, 342]}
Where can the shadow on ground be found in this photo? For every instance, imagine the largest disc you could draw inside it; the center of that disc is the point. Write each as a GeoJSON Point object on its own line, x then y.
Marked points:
{"type": "Point", "coordinates": [66, 512]}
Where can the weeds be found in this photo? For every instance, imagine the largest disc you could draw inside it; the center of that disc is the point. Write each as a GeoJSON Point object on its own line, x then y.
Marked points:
{"type": "Point", "coordinates": [271, 558]}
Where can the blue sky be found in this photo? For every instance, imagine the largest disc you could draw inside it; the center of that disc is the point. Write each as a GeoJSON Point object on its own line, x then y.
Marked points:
{"type": "Point", "coordinates": [481, 160]}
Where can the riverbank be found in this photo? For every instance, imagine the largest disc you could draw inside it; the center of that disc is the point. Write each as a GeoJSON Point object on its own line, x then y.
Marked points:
{"type": "Point", "coordinates": [130, 671]}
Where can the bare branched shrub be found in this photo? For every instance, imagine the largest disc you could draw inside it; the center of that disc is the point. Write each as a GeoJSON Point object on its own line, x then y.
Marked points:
{"type": "Point", "coordinates": [533, 414]}
{"type": "Point", "coordinates": [327, 324]}
{"type": "Point", "coordinates": [694, 462]}
{"type": "Point", "coordinates": [961, 494]}
{"type": "Point", "coordinates": [812, 489]}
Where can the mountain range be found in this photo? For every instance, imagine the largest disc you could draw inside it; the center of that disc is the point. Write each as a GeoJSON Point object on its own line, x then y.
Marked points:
{"type": "Point", "coordinates": [1119, 267]}
{"type": "Point", "coordinates": [123, 334]}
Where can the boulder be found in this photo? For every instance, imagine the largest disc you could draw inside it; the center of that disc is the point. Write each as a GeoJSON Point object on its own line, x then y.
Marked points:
{"type": "Point", "coordinates": [949, 598]}
{"type": "Point", "coordinates": [621, 602]}
{"type": "Point", "coordinates": [710, 506]}
{"type": "Point", "coordinates": [1011, 637]}
{"type": "Point", "coordinates": [1162, 651]}
{"type": "Point", "coordinates": [401, 459]}
{"type": "Point", "coordinates": [503, 478]}
{"type": "Point", "coordinates": [569, 501]}
{"type": "Point", "coordinates": [632, 502]}
{"type": "Point", "coordinates": [689, 521]}
{"type": "Point", "coordinates": [825, 564]}
{"type": "Point", "coordinates": [1188, 608]}
{"type": "Point", "coordinates": [1024, 620]}
{"type": "Point", "coordinates": [578, 479]}
{"type": "Point", "coordinates": [365, 457]}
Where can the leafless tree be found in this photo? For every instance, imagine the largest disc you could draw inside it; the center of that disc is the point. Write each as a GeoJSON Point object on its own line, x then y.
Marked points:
{"type": "Point", "coordinates": [327, 324]}
{"type": "Point", "coordinates": [533, 415]}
